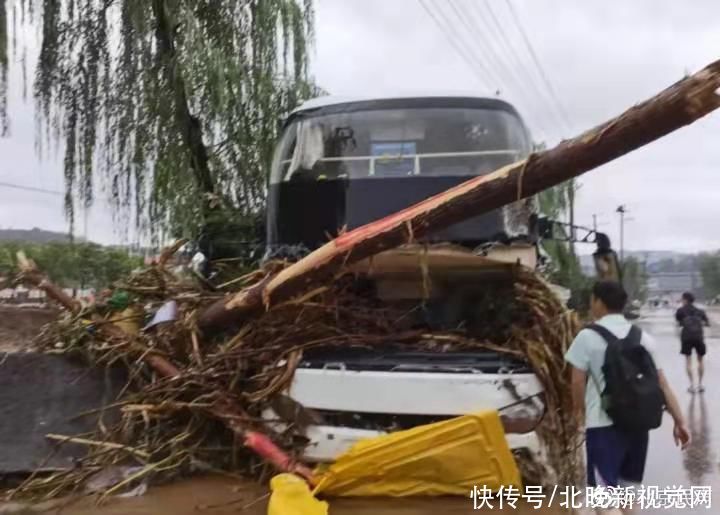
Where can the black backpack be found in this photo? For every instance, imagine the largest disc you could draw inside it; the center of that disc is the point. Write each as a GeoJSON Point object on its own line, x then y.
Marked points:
{"type": "Point", "coordinates": [632, 397]}
{"type": "Point", "coordinates": [692, 325]}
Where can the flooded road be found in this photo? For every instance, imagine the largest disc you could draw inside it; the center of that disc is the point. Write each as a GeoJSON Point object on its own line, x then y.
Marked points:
{"type": "Point", "coordinates": [219, 496]}
{"type": "Point", "coordinates": [698, 465]}
{"type": "Point", "coordinates": [216, 496]}
{"type": "Point", "coordinates": [666, 467]}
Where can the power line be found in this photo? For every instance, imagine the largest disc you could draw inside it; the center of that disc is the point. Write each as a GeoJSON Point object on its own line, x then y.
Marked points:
{"type": "Point", "coordinates": [30, 188]}
{"type": "Point", "coordinates": [499, 71]}
{"type": "Point", "coordinates": [457, 46]}
{"type": "Point", "coordinates": [523, 71]}
{"type": "Point", "coordinates": [500, 33]}
{"type": "Point", "coordinates": [536, 61]}
{"type": "Point", "coordinates": [475, 32]}
{"type": "Point", "coordinates": [509, 75]}
{"type": "Point", "coordinates": [23, 187]}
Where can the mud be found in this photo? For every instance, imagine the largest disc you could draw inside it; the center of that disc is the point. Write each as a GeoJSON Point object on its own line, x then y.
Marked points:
{"type": "Point", "coordinates": [19, 325]}
{"type": "Point", "coordinates": [223, 496]}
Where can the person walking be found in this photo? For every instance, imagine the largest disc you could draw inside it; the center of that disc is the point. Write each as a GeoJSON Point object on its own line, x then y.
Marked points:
{"type": "Point", "coordinates": [618, 409]}
{"type": "Point", "coordinates": [692, 319]}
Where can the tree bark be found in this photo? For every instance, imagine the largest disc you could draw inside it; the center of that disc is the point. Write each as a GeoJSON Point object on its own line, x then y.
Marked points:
{"type": "Point", "coordinates": [677, 106]}
{"type": "Point", "coordinates": [32, 275]}
{"type": "Point", "coordinates": [189, 125]}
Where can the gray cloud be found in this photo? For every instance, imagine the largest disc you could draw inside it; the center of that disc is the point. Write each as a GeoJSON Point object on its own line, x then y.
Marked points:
{"type": "Point", "coordinates": [602, 56]}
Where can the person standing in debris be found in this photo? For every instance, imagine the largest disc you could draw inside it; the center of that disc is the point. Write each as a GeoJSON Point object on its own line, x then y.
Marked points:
{"type": "Point", "coordinates": [691, 319]}
{"type": "Point", "coordinates": [618, 409]}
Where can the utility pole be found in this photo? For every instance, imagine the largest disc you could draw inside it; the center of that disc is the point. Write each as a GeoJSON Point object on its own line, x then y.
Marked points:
{"type": "Point", "coordinates": [595, 222]}
{"type": "Point", "coordinates": [571, 202]}
{"type": "Point", "coordinates": [622, 210]}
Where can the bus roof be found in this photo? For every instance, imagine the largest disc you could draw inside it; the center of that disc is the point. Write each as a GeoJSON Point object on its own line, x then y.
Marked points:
{"type": "Point", "coordinates": [439, 97]}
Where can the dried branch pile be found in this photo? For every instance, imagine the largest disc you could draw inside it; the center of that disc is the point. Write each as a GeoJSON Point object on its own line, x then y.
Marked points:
{"type": "Point", "coordinates": [188, 418]}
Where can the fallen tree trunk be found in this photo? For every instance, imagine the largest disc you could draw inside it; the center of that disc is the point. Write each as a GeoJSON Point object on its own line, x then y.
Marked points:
{"type": "Point", "coordinates": [225, 408]}
{"type": "Point", "coordinates": [33, 276]}
{"type": "Point", "coordinates": [679, 105]}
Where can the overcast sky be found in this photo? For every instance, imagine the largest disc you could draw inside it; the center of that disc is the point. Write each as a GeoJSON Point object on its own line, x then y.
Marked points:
{"type": "Point", "coordinates": [600, 56]}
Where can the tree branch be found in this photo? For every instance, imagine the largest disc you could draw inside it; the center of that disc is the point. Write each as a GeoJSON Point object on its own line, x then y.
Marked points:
{"type": "Point", "coordinates": [189, 125]}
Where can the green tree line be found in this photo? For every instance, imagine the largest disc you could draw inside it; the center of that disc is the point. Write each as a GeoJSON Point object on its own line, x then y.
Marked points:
{"type": "Point", "coordinates": [635, 279]}
{"type": "Point", "coordinates": [709, 264]}
{"type": "Point", "coordinates": [78, 265]}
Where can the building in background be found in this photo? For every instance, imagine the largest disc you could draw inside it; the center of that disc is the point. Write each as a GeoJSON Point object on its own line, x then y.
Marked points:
{"type": "Point", "coordinates": [671, 285]}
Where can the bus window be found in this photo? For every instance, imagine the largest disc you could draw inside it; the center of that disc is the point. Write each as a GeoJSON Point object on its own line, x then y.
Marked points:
{"type": "Point", "coordinates": [399, 143]}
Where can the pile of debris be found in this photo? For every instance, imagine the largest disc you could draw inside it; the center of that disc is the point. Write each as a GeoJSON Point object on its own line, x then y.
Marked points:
{"type": "Point", "coordinates": [200, 378]}
{"type": "Point", "coordinates": [191, 393]}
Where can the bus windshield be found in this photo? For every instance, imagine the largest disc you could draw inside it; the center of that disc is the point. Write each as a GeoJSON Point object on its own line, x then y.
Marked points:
{"type": "Point", "coordinates": [399, 143]}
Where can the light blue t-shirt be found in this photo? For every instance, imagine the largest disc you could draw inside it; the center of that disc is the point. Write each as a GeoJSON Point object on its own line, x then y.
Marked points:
{"type": "Point", "coordinates": [587, 353]}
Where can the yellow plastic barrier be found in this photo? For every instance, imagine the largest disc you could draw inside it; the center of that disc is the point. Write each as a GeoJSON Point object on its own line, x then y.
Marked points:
{"type": "Point", "coordinates": [291, 496]}
{"type": "Point", "coordinates": [445, 458]}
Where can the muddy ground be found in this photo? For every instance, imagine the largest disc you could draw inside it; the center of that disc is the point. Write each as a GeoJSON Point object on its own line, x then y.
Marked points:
{"type": "Point", "coordinates": [19, 325]}
{"type": "Point", "coordinates": [224, 496]}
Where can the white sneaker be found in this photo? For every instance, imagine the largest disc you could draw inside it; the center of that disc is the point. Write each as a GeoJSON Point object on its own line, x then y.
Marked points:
{"type": "Point", "coordinates": [691, 389]}
{"type": "Point", "coordinates": [700, 389]}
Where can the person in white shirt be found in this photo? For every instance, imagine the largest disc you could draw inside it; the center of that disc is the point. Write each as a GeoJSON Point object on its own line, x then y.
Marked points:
{"type": "Point", "coordinates": [613, 455]}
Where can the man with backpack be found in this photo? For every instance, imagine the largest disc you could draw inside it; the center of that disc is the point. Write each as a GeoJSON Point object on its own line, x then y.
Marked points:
{"type": "Point", "coordinates": [618, 391]}
{"type": "Point", "coordinates": [692, 319]}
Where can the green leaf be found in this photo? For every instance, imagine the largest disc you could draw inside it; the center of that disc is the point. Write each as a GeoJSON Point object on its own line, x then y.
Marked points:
{"type": "Point", "coordinates": [106, 93]}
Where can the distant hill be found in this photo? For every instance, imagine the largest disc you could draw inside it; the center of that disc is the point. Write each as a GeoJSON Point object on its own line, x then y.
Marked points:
{"type": "Point", "coordinates": [41, 236]}
{"type": "Point", "coordinates": [34, 235]}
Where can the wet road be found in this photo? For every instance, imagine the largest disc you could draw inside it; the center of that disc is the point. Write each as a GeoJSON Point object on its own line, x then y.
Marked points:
{"type": "Point", "coordinates": [216, 496]}
{"type": "Point", "coordinates": [219, 496]}
{"type": "Point", "coordinates": [698, 465]}
{"type": "Point", "coordinates": [667, 466]}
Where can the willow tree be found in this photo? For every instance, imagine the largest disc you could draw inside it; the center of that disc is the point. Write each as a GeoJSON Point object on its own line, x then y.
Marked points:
{"type": "Point", "coordinates": [557, 203]}
{"type": "Point", "coordinates": [171, 105]}
{"type": "Point", "coordinates": [3, 68]}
